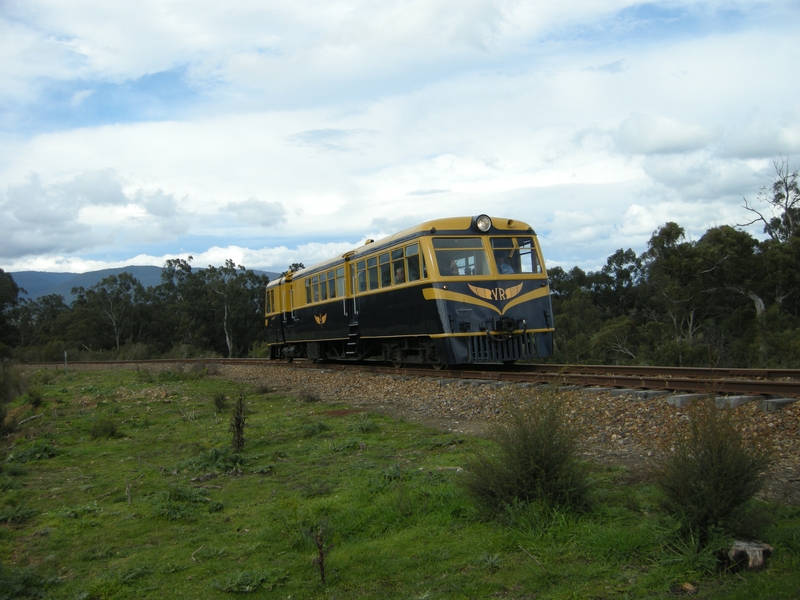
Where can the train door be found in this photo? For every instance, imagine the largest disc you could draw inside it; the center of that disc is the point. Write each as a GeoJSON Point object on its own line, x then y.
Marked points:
{"type": "Point", "coordinates": [287, 302]}
{"type": "Point", "coordinates": [273, 315]}
{"type": "Point", "coordinates": [352, 345]}
{"type": "Point", "coordinates": [345, 287]}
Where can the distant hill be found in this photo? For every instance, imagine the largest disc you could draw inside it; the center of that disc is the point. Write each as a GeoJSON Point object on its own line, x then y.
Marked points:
{"type": "Point", "coordinates": [41, 283]}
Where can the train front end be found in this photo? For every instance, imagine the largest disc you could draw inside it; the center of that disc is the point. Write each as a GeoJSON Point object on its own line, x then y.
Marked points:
{"type": "Point", "coordinates": [491, 293]}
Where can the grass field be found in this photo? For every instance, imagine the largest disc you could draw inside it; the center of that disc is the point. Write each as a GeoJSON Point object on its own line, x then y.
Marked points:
{"type": "Point", "coordinates": [124, 486]}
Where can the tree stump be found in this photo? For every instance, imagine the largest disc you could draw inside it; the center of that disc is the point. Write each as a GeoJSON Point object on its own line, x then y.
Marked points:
{"type": "Point", "coordinates": [747, 555]}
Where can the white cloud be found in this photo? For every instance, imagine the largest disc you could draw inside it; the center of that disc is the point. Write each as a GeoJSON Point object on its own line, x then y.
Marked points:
{"type": "Point", "coordinates": [79, 215]}
{"type": "Point", "coordinates": [258, 212]}
{"type": "Point", "coordinates": [648, 134]}
{"type": "Point", "coordinates": [79, 97]}
{"type": "Point", "coordinates": [590, 120]}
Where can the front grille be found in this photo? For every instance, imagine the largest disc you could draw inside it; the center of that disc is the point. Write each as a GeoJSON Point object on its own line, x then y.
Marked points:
{"type": "Point", "coordinates": [484, 349]}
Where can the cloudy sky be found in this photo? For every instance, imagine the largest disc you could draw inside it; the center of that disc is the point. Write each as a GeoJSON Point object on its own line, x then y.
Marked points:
{"type": "Point", "coordinates": [272, 132]}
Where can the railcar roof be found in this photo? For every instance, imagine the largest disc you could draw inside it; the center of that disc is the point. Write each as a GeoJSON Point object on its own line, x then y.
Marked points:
{"type": "Point", "coordinates": [446, 226]}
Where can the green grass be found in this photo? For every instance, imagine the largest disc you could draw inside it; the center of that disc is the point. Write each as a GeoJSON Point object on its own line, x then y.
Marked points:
{"type": "Point", "coordinates": [126, 487]}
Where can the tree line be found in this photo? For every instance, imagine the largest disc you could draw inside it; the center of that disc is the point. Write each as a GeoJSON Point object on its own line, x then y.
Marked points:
{"type": "Point", "coordinates": [726, 299]}
{"type": "Point", "coordinates": [216, 311]}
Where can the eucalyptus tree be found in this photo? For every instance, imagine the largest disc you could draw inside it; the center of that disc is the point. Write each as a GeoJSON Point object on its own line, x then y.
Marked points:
{"type": "Point", "coordinates": [235, 297]}
{"type": "Point", "coordinates": [9, 298]}
{"type": "Point", "coordinates": [42, 320]}
{"type": "Point", "coordinates": [783, 202]}
{"type": "Point", "coordinates": [107, 311]}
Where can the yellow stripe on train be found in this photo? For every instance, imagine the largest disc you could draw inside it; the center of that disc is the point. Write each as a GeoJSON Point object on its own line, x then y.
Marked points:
{"type": "Point", "coordinates": [432, 293]}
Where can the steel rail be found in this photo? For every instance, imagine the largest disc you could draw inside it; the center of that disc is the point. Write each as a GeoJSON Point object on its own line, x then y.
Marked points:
{"type": "Point", "coordinates": [699, 372]}
{"type": "Point", "coordinates": [769, 382]}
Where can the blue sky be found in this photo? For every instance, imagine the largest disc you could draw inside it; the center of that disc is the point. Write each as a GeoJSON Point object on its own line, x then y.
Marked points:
{"type": "Point", "coordinates": [280, 132]}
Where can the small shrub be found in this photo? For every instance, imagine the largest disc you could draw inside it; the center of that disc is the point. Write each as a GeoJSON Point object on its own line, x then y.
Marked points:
{"type": "Point", "coordinates": [222, 460]}
{"type": "Point", "coordinates": [105, 428]}
{"type": "Point", "coordinates": [16, 514]}
{"type": "Point", "coordinates": [135, 351]}
{"type": "Point", "coordinates": [8, 483]}
{"type": "Point", "coordinates": [38, 450]}
{"type": "Point", "coordinates": [11, 384]}
{"type": "Point", "coordinates": [7, 425]}
{"type": "Point", "coordinates": [264, 389]}
{"type": "Point", "coordinates": [322, 540]}
{"type": "Point", "coordinates": [238, 420]}
{"type": "Point", "coordinates": [144, 376]}
{"type": "Point", "coordinates": [35, 397]}
{"type": "Point", "coordinates": [711, 476]}
{"type": "Point", "coordinates": [309, 396]}
{"type": "Point", "coordinates": [76, 512]}
{"type": "Point", "coordinates": [365, 425]}
{"type": "Point", "coordinates": [311, 429]}
{"type": "Point", "coordinates": [21, 583]}
{"type": "Point", "coordinates": [220, 401]}
{"type": "Point", "coordinates": [536, 458]}
{"type": "Point", "coordinates": [490, 562]}
{"type": "Point", "coordinates": [179, 503]}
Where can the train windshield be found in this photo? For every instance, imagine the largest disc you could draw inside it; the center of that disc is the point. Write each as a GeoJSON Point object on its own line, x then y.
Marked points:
{"type": "Point", "coordinates": [515, 255]}
{"type": "Point", "coordinates": [461, 256]}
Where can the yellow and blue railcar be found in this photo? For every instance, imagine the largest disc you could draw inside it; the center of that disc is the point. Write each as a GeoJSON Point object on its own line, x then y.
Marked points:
{"type": "Point", "coordinates": [460, 290]}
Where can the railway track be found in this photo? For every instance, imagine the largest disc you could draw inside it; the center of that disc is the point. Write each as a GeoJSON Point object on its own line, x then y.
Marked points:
{"type": "Point", "coordinates": [766, 382]}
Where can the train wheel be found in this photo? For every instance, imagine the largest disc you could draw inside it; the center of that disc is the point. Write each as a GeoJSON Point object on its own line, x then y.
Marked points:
{"type": "Point", "coordinates": [397, 364]}
{"type": "Point", "coordinates": [440, 366]}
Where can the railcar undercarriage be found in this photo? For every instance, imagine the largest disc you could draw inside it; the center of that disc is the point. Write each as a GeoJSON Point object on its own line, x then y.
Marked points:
{"type": "Point", "coordinates": [486, 348]}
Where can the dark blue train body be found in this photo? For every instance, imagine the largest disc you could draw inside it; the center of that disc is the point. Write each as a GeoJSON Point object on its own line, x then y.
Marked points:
{"type": "Point", "coordinates": [461, 290]}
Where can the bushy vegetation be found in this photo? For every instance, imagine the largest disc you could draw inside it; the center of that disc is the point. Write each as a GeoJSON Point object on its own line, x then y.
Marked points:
{"type": "Point", "coordinates": [215, 311]}
{"type": "Point", "coordinates": [711, 475]}
{"type": "Point", "coordinates": [535, 458]}
{"type": "Point", "coordinates": [374, 505]}
{"type": "Point", "coordinates": [11, 384]}
{"type": "Point", "coordinates": [726, 299]}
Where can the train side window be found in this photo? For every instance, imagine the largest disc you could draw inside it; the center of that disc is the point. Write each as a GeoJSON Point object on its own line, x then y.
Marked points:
{"type": "Point", "coordinates": [372, 269]}
{"type": "Point", "coordinates": [386, 270]}
{"type": "Point", "coordinates": [268, 303]}
{"type": "Point", "coordinates": [361, 276]}
{"type": "Point", "coordinates": [308, 290]}
{"type": "Point", "coordinates": [323, 286]}
{"type": "Point", "coordinates": [461, 256]}
{"type": "Point", "coordinates": [340, 282]}
{"type": "Point", "coordinates": [331, 284]}
{"type": "Point", "coordinates": [398, 266]}
{"type": "Point", "coordinates": [315, 288]}
{"type": "Point", "coordinates": [412, 260]}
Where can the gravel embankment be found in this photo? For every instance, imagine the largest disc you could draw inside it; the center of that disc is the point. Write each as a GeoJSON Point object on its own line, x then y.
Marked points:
{"type": "Point", "coordinates": [618, 429]}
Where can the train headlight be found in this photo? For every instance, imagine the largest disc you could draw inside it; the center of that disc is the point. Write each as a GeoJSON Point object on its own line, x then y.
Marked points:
{"type": "Point", "coordinates": [482, 223]}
